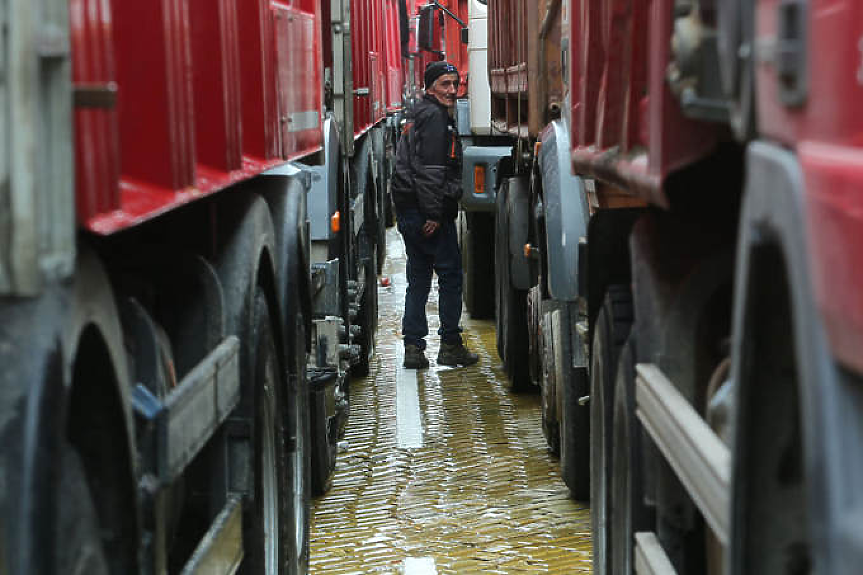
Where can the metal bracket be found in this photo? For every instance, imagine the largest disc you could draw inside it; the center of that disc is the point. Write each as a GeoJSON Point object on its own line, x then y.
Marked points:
{"type": "Point", "coordinates": [193, 411]}
{"type": "Point", "coordinates": [102, 96]}
{"type": "Point", "coordinates": [791, 49]}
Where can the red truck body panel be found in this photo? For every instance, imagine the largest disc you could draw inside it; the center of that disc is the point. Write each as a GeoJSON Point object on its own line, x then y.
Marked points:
{"type": "Point", "coordinates": [456, 51]}
{"type": "Point", "coordinates": [394, 79]}
{"type": "Point", "coordinates": [827, 133]}
{"type": "Point", "coordinates": [367, 27]}
{"type": "Point", "coordinates": [507, 50]}
{"type": "Point", "coordinates": [627, 127]}
{"type": "Point", "coordinates": [97, 143]}
{"type": "Point", "coordinates": [209, 94]}
{"type": "Point", "coordinates": [448, 43]}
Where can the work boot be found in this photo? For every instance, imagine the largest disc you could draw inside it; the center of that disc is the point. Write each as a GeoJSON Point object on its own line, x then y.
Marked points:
{"type": "Point", "coordinates": [455, 354]}
{"type": "Point", "coordinates": [415, 358]}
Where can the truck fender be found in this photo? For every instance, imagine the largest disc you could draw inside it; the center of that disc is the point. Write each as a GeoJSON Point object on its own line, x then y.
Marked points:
{"type": "Point", "coordinates": [772, 218]}
{"type": "Point", "coordinates": [360, 166]}
{"type": "Point", "coordinates": [491, 159]}
{"type": "Point", "coordinates": [323, 199]}
{"type": "Point", "coordinates": [92, 321]}
{"type": "Point", "coordinates": [566, 213]}
{"type": "Point", "coordinates": [608, 256]}
{"type": "Point", "coordinates": [246, 240]}
{"type": "Point", "coordinates": [518, 224]}
{"type": "Point", "coordinates": [285, 194]}
{"type": "Point", "coordinates": [377, 135]}
{"type": "Point", "coordinates": [39, 342]}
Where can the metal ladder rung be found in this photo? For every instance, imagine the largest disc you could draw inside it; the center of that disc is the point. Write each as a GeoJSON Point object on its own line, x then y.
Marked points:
{"type": "Point", "coordinates": [700, 459]}
{"type": "Point", "coordinates": [650, 557]}
{"type": "Point", "coordinates": [221, 548]}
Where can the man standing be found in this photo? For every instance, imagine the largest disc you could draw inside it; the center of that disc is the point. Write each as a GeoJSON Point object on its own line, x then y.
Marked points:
{"type": "Point", "coordinates": [426, 187]}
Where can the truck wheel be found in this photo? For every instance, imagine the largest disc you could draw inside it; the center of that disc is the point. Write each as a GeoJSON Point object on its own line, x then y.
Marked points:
{"type": "Point", "coordinates": [324, 437]}
{"type": "Point", "coordinates": [515, 338]}
{"type": "Point", "coordinates": [265, 529]}
{"type": "Point", "coordinates": [772, 525]}
{"type": "Point", "coordinates": [299, 480]}
{"type": "Point", "coordinates": [612, 328]}
{"type": "Point", "coordinates": [510, 306]}
{"type": "Point", "coordinates": [389, 212]}
{"type": "Point", "coordinates": [628, 514]}
{"type": "Point", "coordinates": [501, 268]}
{"type": "Point", "coordinates": [478, 264]}
{"type": "Point", "coordinates": [573, 418]}
{"type": "Point", "coordinates": [547, 344]}
{"type": "Point", "coordinates": [368, 318]}
{"type": "Point", "coordinates": [78, 548]}
{"type": "Point", "coordinates": [381, 228]}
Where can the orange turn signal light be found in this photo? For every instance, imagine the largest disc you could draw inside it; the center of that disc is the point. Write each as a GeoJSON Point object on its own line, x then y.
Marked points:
{"type": "Point", "coordinates": [336, 222]}
{"type": "Point", "coordinates": [479, 179]}
{"type": "Point", "coordinates": [527, 250]}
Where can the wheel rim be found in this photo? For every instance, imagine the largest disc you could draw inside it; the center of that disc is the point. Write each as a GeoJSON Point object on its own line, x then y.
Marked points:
{"type": "Point", "coordinates": [297, 459]}
{"type": "Point", "coordinates": [298, 483]}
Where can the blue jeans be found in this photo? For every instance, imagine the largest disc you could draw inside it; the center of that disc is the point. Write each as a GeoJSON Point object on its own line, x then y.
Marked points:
{"type": "Point", "coordinates": [440, 254]}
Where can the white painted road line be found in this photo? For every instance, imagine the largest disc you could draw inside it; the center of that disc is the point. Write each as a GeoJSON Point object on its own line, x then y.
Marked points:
{"type": "Point", "coordinates": [420, 566]}
{"type": "Point", "coordinates": [408, 417]}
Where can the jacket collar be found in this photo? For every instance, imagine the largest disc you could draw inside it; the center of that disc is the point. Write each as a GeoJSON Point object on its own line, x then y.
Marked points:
{"type": "Point", "coordinates": [429, 98]}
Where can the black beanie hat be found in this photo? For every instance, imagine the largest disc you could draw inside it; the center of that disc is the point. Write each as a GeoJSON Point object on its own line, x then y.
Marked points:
{"type": "Point", "coordinates": [435, 70]}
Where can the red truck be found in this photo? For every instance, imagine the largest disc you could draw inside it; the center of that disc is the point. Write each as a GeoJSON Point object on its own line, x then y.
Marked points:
{"type": "Point", "coordinates": [677, 223]}
{"type": "Point", "coordinates": [191, 219]}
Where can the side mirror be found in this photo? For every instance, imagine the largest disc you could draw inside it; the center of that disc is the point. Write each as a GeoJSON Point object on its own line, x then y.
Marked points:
{"type": "Point", "coordinates": [464, 35]}
{"type": "Point", "coordinates": [425, 28]}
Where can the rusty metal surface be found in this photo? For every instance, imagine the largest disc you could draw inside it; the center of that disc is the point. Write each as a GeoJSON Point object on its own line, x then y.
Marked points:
{"type": "Point", "coordinates": [481, 494]}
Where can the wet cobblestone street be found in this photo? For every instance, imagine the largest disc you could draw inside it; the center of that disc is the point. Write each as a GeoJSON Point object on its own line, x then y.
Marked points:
{"type": "Point", "coordinates": [445, 471]}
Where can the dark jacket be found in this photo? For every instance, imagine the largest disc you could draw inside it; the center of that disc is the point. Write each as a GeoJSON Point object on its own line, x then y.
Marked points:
{"type": "Point", "coordinates": [427, 174]}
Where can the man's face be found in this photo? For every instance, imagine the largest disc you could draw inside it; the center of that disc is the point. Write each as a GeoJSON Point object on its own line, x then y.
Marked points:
{"type": "Point", "coordinates": [444, 89]}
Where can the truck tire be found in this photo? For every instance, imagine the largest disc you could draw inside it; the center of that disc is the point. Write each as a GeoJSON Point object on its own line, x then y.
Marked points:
{"type": "Point", "coordinates": [368, 317]}
{"type": "Point", "coordinates": [389, 210]}
{"type": "Point", "coordinates": [300, 457]}
{"type": "Point", "coordinates": [501, 271]}
{"type": "Point", "coordinates": [515, 336]}
{"type": "Point", "coordinates": [381, 228]}
{"type": "Point", "coordinates": [478, 264]}
{"type": "Point", "coordinates": [629, 513]}
{"type": "Point", "coordinates": [773, 530]}
{"type": "Point", "coordinates": [265, 528]}
{"type": "Point", "coordinates": [78, 548]}
{"type": "Point", "coordinates": [610, 332]}
{"type": "Point", "coordinates": [573, 418]}
{"type": "Point", "coordinates": [547, 345]}
{"type": "Point", "coordinates": [510, 306]}
{"type": "Point", "coordinates": [324, 436]}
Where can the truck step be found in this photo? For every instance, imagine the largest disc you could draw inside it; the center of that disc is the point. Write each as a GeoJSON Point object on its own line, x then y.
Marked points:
{"type": "Point", "coordinates": [221, 549]}
{"type": "Point", "coordinates": [650, 557]}
{"type": "Point", "coordinates": [700, 459]}
{"type": "Point", "coordinates": [190, 414]}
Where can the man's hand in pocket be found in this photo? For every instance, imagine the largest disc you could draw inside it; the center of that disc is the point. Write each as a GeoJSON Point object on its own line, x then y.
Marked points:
{"type": "Point", "coordinates": [430, 227]}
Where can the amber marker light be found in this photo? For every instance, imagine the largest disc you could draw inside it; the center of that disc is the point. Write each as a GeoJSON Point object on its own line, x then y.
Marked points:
{"type": "Point", "coordinates": [479, 179]}
{"type": "Point", "coordinates": [336, 223]}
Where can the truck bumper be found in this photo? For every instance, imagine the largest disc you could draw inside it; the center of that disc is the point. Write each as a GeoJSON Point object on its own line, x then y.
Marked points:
{"type": "Point", "coordinates": [488, 159]}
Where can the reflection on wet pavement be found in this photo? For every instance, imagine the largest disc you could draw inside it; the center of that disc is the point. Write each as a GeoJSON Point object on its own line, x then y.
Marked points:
{"type": "Point", "coordinates": [474, 491]}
